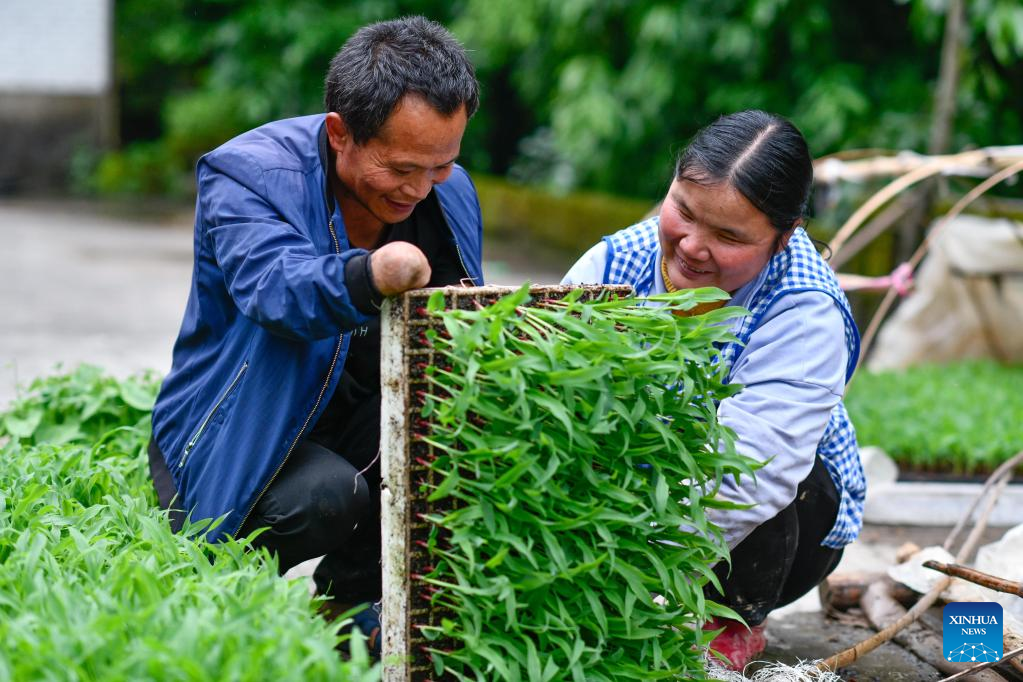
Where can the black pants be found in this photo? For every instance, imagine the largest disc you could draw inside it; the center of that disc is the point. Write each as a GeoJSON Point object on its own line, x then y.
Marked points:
{"type": "Point", "coordinates": [782, 559]}
{"type": "Point", "coordinates": [326, 502]}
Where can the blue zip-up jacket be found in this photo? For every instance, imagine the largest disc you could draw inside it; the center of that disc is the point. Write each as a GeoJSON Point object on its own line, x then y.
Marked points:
{"type": "Point", "coordinates": [264, 336]}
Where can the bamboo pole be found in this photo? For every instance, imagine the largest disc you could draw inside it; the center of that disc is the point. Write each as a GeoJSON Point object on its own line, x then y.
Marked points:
{"type": "Point", "coordinates": [1003, 469]}
{"type": "Point", "coordinates": [882, 197]}
{"type": "Point", "coordinates": [889, 298]}
{"type": "Point", "coordinates": [976, 577]}
{"type": "Point", "coordinates": [948, 79]}
{"type": "Point", "coordinates": [975, 163]}
{"type": "Point", "coordinates": [913, 226]}
{"type": "Point", "coordinates": [884, 220]}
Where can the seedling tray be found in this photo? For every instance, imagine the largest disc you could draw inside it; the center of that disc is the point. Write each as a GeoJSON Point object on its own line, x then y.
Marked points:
{"type": "Point", "coordinates": [405, 353]}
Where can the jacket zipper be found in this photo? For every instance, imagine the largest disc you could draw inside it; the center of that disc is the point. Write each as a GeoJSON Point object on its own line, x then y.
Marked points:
{"type": "Point", "coordinates": [458, 250]}
{"type": "Point", "coordinates": [205, 422]}
{"type": "Point", "coordinates": [323, 389]}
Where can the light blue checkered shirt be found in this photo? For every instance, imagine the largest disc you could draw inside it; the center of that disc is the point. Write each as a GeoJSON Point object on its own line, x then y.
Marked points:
{"type": "Point", "coordinates": [633, 257]}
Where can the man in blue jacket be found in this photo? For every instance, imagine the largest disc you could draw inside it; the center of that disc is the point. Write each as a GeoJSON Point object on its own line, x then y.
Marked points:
{"type": "Point", "coordinates": [270, 414]}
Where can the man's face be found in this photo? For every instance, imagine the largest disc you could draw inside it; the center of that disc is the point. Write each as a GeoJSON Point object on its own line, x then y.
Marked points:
{"type": "Point", "coordinates": [395, 170]}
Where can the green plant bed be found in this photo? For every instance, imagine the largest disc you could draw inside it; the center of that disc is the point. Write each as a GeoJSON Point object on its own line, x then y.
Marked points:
{"type": "Point", "coordinates": [95, 586]}
{"type": "Point", "coordinates": [961, 418]}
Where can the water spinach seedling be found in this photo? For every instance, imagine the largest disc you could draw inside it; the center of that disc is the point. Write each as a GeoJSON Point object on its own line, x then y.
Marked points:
{"type": "Point", "coordinates": [94, 586]}
{"type": "Point", "coordinates": [578, 445]}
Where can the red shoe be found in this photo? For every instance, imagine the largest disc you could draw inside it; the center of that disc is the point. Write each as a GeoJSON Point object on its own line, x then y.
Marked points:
{"type": "Point", "coordinates": [737, 642]}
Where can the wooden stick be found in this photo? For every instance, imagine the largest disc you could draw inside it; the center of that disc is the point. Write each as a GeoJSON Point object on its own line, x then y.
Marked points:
{"type": "Point", "coordinates": [874, 229]}
{"type": "Point", "coordinates": [849, 655]}
{"type": "Point", "coordinates": [941, 126]}
{"type": "Point", "coordinates": [1005, 467]}
{"type": "Point", "coordinates": [982, 666]}
{"type": "Point", "coordinates": [854, 166]}
{"type": "Point", "coordinates": [948, 78]}
{"type": "Point", "coordinates": [977, 577]}
{"type": "Point", "coordinates": [882, 197]}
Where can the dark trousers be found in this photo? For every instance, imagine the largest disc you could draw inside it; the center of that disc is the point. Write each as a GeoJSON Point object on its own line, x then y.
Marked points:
{"type": "Point", "coordinates": [326, 502]}
{"type": "Point", "coordinates": [782, 559]}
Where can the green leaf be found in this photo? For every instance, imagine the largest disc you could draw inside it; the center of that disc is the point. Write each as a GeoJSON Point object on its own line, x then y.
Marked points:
{"type": "Point", "coordinates": [445, 488]}
{"type": "Point", "coordinates": [660, 494]}
{"type": "Point", "coordinates": [22, 426]}
{"type": "Point", "coordinates": [59, 433]}
{"type": "Point", "coordinates": [138, 395]}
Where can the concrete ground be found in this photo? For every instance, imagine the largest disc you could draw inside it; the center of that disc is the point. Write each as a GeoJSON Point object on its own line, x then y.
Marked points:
{"type": "Point", "coordinates": [801, 631]}
{"type": "Point", "coordinates": [106, 284]}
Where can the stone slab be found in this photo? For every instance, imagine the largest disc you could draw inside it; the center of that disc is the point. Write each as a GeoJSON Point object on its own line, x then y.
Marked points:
{"type": "Point", "coordinates": [812, 636]}
{"type": "Point", "coordinates": [938, 504]}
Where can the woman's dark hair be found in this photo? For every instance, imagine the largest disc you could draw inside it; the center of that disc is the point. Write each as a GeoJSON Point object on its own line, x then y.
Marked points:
{"type": "Point", "coordinates": [385, 61]}
{"type": "Point", "coordinates": [762, 155]}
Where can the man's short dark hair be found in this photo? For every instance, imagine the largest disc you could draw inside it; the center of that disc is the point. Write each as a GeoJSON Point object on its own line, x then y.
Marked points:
{"type": "Point", "coordinates": [385, 61]}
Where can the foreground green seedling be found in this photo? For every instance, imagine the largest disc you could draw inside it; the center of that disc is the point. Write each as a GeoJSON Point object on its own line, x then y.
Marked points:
{"type": "Point", "coordinates": [93, 584]}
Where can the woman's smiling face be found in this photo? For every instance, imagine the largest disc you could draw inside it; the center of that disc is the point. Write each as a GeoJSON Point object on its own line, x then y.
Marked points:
{"type": "Point", "coordinates": [712, 236]}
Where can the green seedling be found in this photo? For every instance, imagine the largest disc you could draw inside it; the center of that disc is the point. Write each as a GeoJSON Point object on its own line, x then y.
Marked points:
{"type": "Point", "coordinates": [961, 418]}
{"type": "Point", "coordinates": [579, 448]}
{"type": "Point", "coordinates": [95, 587]}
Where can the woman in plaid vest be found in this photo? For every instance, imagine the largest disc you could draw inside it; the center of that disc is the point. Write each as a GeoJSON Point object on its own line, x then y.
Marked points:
{"type": "Point", "coordinates": [732, 219]}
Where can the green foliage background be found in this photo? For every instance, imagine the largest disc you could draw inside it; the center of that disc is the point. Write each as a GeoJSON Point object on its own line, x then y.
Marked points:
{"type": "Point", "coordinates": [576, 93]}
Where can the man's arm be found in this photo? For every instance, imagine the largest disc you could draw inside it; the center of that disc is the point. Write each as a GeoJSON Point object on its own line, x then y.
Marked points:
{"type": "Point", "coordinates": [273, 272]}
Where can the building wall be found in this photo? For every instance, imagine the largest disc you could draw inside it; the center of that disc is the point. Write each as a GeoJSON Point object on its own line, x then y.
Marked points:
{"type": "Point", "coordinates": [56, 89]}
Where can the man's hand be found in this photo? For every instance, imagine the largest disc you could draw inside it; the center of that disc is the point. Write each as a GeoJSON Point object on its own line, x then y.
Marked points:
{"type": "Point", "coordinates": [398, 267]}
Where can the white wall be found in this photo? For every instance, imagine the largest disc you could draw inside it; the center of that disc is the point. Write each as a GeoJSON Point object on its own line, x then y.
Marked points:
{"type": "Point", "coordinates": [55, 46]}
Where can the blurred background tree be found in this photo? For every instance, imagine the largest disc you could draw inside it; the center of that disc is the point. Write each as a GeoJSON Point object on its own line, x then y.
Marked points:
{"type": "Point", "coordinates": [577, 94]}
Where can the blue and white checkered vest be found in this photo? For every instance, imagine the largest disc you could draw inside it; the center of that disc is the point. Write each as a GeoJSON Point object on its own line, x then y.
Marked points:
{"type": "Point", "coordinates": [634, 258]}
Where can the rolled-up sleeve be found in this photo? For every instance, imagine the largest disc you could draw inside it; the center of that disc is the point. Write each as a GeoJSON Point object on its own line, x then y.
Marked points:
{"type": "Point", "coordinates": [271, 269]}
{"type": "Point", "coordinates": [793, 373]}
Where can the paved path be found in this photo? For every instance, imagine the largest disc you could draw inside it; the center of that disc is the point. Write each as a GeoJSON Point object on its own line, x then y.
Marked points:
{"type": "Point", "coordinates": [106, 284]}
{"type": "Point", "coordinates": [84, 284]}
